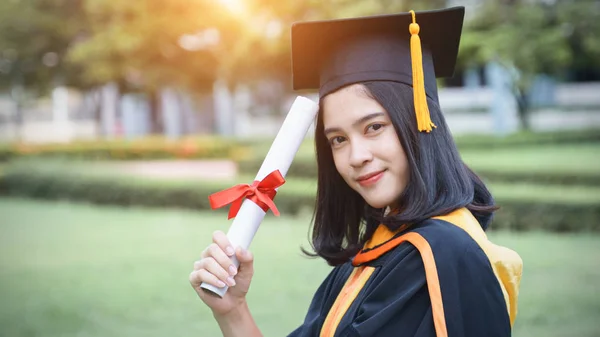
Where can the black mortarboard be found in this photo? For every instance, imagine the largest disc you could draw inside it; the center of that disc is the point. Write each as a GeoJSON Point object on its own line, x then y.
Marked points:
{"type": "Point", "coordinates": [327, 55]}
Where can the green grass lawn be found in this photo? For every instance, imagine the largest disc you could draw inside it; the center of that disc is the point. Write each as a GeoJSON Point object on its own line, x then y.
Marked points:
{"type": "Point", "coordinates": [569, 158]}
{"type": "Point", "coordinates": [552, 158]}
{"type": "Point", "coordinates": [79, 270]}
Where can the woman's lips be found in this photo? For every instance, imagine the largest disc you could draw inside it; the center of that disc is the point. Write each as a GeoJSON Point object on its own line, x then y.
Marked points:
{"type": "Point", "coordinates": [370, 179]}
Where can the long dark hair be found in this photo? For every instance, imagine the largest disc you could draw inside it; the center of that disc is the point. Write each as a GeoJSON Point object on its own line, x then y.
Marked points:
{"type": "Point", "coordinates": [439, 183]}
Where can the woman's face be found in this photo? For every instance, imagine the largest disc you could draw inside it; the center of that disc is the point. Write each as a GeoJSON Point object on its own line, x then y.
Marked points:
{"type": "Point", "coordinates": [365, 147]}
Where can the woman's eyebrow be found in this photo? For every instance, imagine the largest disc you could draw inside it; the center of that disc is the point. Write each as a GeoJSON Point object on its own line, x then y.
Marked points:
{"type": "Point", "coordinates": [359, 121]}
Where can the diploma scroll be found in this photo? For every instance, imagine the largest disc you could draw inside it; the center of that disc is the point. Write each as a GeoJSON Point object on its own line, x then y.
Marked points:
{"type": "Point", "coordinates": [274, 168]}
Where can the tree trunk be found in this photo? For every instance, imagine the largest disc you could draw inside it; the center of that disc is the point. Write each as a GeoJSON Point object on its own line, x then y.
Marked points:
{"type": "Point", "coordinates": [523, 110]}
{"type": "Point", "coordinates": [18, 119]}
{"type": "Point", "coordinates": [95, 101]}
{"type": "Point", "coordinates": [109, 109]}
{"type": "Point", "coordinates": [156, 122]}
{"type": "Point", "coordinates": [17, 92]}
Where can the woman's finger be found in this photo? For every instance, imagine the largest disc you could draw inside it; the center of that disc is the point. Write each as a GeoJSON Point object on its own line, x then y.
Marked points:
{"type": "Point", "coordinates": [212, 266]}
{"type": "Point", "coordinates": [223, 242]}
{"type": "Point", "coordinates": [215, 252]}
{"type": "Point", "coordinates": [219, 255]}
{"type": "Point", "coordinates": [197, 277]}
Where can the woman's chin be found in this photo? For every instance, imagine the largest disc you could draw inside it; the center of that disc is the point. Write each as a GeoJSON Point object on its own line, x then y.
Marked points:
{"type": "Point", "coordinates": [377, 203]}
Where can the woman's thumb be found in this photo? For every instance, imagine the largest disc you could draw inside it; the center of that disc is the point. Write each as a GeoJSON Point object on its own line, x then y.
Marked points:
{"type": "Point", "coordinates": [246, 259]}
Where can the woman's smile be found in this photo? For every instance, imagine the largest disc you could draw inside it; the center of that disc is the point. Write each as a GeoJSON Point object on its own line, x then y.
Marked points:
{"type": "Point", "coordinates": [370, 178]}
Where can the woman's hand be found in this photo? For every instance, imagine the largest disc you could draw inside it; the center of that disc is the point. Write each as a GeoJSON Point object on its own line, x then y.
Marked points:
{"type": "Point", "coordinates": [216, 268]}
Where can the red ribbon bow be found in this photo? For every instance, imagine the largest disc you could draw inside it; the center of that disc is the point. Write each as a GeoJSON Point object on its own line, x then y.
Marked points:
{"type": "Point", "coordinates": [260, 192]}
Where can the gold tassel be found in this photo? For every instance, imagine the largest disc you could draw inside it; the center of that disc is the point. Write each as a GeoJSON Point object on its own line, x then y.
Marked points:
{"type": "Point", "coordinates": [424, 122]}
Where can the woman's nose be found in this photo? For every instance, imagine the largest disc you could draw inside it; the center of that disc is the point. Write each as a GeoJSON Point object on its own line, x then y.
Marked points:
{"type": "Point", "coordinates": [360, 153]}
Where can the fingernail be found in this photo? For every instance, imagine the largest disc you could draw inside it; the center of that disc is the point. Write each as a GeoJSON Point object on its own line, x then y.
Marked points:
{"type": "Point", "coordinates": [231, 281]}
{"type": "Point", "coordinates": [230, 251]}
{"type": "Point", "coordinates": [220, 284]}
{"type": "Point", "coordinates": [232, 270]}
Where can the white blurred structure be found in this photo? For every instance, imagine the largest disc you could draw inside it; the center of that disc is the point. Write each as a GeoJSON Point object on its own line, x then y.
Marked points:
{"type": "Point", "coordinates": [70, 115]}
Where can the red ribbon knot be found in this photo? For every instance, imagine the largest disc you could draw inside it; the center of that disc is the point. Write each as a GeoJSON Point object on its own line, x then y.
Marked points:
{"type": "Point", "coordinates": [260, 192]}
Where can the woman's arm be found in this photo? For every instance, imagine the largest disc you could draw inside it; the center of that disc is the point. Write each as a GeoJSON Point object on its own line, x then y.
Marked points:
{"type": "Point", "coordinates": [238, 322]}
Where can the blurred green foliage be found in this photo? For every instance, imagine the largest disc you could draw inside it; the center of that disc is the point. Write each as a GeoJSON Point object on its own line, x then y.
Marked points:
{"type": "Point", "coordinates": [147, 148]}
{"type": "Point", "coordinates": [35, 39]}
{"type": "Point", "coordinates": [524, 206]}
{"type": "Point", "coordinates": [145, 44]}
{"type": "Point", "coordinates": [533, 37]}
{"type": "Point", "coordinates": [250, 153]}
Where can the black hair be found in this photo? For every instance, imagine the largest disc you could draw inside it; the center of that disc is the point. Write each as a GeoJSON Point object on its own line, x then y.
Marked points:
{"type": "Point", "coordinates": [440, 182]}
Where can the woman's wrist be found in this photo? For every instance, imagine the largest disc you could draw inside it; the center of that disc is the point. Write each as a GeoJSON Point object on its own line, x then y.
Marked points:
{"type": "Point", "coordinates": [238, 322]}
{"type": "Point", "coordinates": [234, 314]}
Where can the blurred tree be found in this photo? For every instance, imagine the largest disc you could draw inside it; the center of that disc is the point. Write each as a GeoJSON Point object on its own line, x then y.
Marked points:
{"type": "Point", "coordinates": [271, 52]}
{"type": "Point", "coordinates": [150, 44]}
{"type": "Point", "coordinates": [533, 37]}
{"type": "Point", "coordinates": [35, 37]}
{"type": "Point", "coordinates": [582, 28]}
{"type": "Point", "coordinates": [268, 30]}
{"type": "Point", "coordinates": [146, 45]}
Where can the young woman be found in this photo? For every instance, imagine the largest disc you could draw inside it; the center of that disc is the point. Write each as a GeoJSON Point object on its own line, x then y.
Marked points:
{"type": "Point", "coordinates": [398, 213]}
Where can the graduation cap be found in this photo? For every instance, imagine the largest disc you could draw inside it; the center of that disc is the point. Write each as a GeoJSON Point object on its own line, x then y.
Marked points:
{"type": "Point", "coordinates": [413, 48]}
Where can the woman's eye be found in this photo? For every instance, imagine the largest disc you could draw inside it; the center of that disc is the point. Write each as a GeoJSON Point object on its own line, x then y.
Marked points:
{"type": "Point", "coordinates": [375, 126]}
{"type": "Point", "coordinates": [337, 140]}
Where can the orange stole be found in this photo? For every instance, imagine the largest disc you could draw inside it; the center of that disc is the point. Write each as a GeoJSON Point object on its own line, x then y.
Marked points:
{"type": "Point", "coordinates": [361, 274]}
{"type": "Point", "coordinates": [354, 284]}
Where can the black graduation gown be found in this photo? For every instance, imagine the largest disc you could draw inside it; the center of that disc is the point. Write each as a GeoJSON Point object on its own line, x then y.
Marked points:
{"type": "Point", "coordinates": [395, 300]}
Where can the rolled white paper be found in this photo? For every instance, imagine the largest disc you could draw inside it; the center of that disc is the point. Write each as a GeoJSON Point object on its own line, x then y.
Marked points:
{"type": "Point", "coordinates": [280, 157]}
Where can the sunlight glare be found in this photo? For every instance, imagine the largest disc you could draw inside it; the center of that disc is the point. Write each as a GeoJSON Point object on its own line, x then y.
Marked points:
{"type": "Point", "coordinates": [235, 6]}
